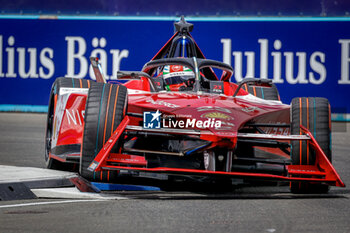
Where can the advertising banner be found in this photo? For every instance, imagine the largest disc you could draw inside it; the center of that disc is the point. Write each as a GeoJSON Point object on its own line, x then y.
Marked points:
{"type": "Point", "coordinates": [304, 57]}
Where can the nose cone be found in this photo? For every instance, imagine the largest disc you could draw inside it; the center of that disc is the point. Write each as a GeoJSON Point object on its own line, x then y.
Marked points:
{"type": "Point", "coordinates": [215, 118]}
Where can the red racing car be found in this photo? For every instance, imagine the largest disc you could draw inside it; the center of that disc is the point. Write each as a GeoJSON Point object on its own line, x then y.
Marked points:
{"type": "Point", "coordinates": [181, 116]}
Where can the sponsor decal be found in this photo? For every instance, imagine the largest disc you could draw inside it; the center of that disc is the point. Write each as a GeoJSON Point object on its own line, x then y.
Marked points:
{"type": "Point", "coordinates": [213, 108]}
{"type": "Point", "coordinates": [225, 125]}
{"type": "Point", "coordinates": [217, 115]}
{"type": "Point", "coordinates": [153, 120]}
{"type": "Point", "coordinates": [61, 105]}
{"type": "Point", "coordinates": [277, 130]}
{"type": "Point", "coordinates": [250, 109]}
{"type": "Point", "coordinates": [175, 68]}
{"type": "Point", "coordinates": [75, 116]}
{"type": "Point", "coordinates": [93, 166]}
{"type": "Point", "coordinates": [162, 103]}
{"type": "Point", "coordinates": [226, 134]}
{"type": "Point", "coordinates": [217, 87]}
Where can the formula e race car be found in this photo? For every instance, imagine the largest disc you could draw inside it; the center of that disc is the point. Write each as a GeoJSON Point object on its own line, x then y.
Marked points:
{"type": "Point", "coordinates": [181, 116]}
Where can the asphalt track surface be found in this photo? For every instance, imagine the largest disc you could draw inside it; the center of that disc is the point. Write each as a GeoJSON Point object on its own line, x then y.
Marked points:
{"type": "Point", "coordinates": [243, 209]}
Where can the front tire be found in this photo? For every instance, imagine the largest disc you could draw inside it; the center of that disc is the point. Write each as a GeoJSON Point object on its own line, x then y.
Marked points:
{"type": "Point", "coordinates": [314, 114]}
{"type": "Point", "coordinates": [105, 109]}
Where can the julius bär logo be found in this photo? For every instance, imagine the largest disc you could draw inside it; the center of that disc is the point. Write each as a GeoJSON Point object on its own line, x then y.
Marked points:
{"type": "Point", "coordinates": [151, 120]}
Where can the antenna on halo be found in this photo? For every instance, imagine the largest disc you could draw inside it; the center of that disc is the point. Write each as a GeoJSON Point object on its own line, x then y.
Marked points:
{"type": "Point", "coordinates": [182, 26]}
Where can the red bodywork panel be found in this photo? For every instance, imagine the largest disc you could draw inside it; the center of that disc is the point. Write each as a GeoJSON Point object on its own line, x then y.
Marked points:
{"type": "Point", "coordinates": [71, 129]}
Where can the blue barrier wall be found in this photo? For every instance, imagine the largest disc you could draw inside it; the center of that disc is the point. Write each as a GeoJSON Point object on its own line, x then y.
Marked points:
{"type": "Point", "coordinates": [304, 56]}
{"type": "Point", "coordinates": [179, 7]}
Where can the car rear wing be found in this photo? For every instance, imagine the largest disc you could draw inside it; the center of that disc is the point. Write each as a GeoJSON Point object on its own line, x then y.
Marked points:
{"type": "Point", "coordinates": [254, 82]}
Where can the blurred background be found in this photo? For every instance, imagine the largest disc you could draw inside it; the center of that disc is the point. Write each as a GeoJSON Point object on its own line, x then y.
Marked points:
{"type": "Point", "coordinates": [303, 46]}
{"type": "Point", "coordinates": [204, 8]}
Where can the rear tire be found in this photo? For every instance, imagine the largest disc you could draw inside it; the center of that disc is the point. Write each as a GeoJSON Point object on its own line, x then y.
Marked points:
{"type": "Point", "coordinates": [105, 109]}
{"type": "Point", "coordinates": [314, 114]}
{"type": "Point", "coordinates": [55, 89]}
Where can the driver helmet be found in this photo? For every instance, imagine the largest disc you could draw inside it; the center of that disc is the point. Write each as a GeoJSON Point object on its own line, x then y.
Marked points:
{"type": "Point", "coordinates": [178, 78]}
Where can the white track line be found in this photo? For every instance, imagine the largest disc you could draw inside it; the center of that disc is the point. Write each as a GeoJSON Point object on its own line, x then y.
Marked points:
{"type": "Point", "coordinates": [47, 203]}
{"type": "Point", "coordinates": [72, 193]}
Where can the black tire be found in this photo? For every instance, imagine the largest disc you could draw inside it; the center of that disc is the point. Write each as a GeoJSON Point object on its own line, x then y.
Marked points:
{"type": "Point", "coordinates": [55, 89]}
{"type": "Point", "coordinates": [267, 93]}
{"type": "Point", "coordinates": [314, 114]}
{"type": "Point", "coordinates": [105, 108]}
